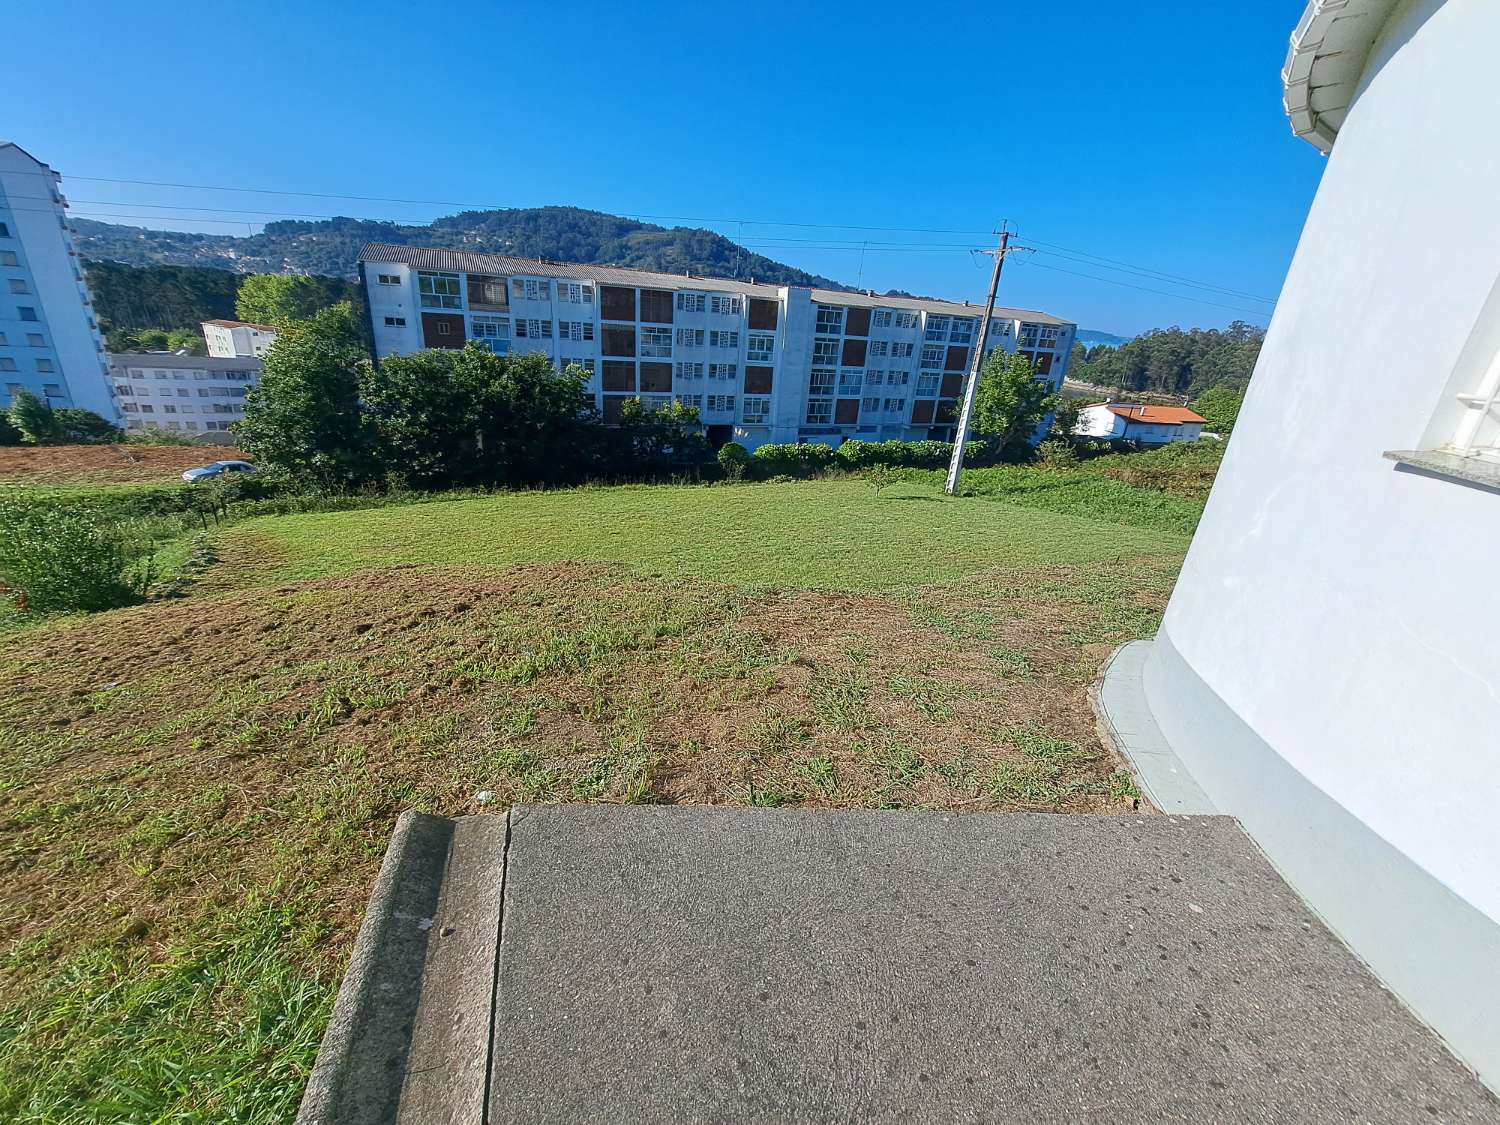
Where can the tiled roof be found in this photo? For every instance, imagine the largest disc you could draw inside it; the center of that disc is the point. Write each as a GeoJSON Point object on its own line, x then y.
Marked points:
{"type": "Point", "coordinates": [470, 261]}
{"type": "Point", "coordinates": [1154, 415]}
{"type": "Point", "coordinates": [243, 324]}
{"type": "Point", "coordinates": [194, 362]}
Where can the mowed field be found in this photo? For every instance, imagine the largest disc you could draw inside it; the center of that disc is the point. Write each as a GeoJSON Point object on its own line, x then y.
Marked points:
{"type": "Point", "coordinates": [195, 793]}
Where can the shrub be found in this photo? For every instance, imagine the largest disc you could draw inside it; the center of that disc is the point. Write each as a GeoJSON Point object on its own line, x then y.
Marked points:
{"type": "Point", "coordinates": [65, 557]}
{"type": "Point", "coordinates": [9, 435]}
{"type": "Point", "coordinates": [734, 459]}
{"type": "Point", "coordinates": [800, 460]}
{"type": "Point", "coordinates": [158, 435]}
{"type": "Point", "coordinates": [858, 454]}
{"type": "Point", "coordinates": [1054, 453]}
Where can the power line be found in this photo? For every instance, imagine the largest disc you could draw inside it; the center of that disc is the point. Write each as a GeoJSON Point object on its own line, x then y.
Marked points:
{"type": "Point", "coordinates": [1146, 289]}
{"type": "Point", "coordinates": [1063, 251]}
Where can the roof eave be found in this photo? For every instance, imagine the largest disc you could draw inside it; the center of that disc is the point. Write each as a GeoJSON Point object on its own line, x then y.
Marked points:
{"type": "Point", "coordinates": [1329, 50]}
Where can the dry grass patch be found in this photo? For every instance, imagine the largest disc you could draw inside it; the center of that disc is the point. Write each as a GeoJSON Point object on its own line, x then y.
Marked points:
{"type": "Point", "coordinates": [105, 464]}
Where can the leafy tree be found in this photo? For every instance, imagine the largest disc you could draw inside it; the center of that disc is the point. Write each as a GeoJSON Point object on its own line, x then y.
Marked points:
{"type": "Point", "coordinates": [269, 298]}
{"type": "Point", "coordinates": [187, 340]}
{"type": "Point", "coordinates": [1175, 362]}
{"type": "Point", "coordinates": [159, 296]}
{"type": "Point", "coordinates": [655, 441]}
{"type": "Point", "coordinates": [9, 434]}
{"type": "Point", "coordinates": [305, 417]}
{"type": "Point", "coordinates": [84, 426]}
{"type": "Point", "coordinates": [1221, 406]}
{"type": "Point", "coordinates": [1065, 417]}
{"type": "Point", "coordinates": [35, 418]}
{"type": "Point", "coordinates": [1011, 404]}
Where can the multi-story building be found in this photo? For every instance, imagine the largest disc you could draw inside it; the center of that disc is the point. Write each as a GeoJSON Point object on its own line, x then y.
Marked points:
{"type": "Point", "coordinates": [762, 363]}
{"type": "Point", "coordinates": [230, 338]}
{"type": "Point", "coordinates": [49, 336]}
{"type": "Point", "coordinates": [201, 395]}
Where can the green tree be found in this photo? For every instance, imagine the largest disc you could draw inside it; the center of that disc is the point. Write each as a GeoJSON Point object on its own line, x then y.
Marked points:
{"type": "Point", "coordinates": [453, 419]}
{"type": "Point", "coordinates": [84, 426]}
{"type": "Point", "coordinates": [187, 340]}
{"type": "Point", "coordinates": [305, 418]}
{"type": "Point", "coordinates": [1011, 404]}
{"type": "Point", "coordinates": [9, 434]}
{"type": "Point", "coordinates": [35, 418]}
{"type": "Point", "coordinates": [1221, 406]}
{"type": "Point", "coordinates": [272, 298]}
{"type": "Point", "coordinates": [1065, 417]}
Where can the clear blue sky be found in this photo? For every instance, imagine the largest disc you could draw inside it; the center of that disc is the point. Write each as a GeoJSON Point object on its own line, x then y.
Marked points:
{"type": "Point", "coordinates": [1148, 133]}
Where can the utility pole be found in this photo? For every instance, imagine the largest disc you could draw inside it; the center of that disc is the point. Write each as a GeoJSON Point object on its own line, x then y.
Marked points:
{"type": "Point", "coordinates": [971, 387]}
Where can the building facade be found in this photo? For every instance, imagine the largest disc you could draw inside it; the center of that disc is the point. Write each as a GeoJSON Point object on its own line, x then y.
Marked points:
{"type": "Point", "coordinates": [230, 338]}
{"type": "Point", "coordinates": [198, 395]}
{"type": "Point", "coordinates": [1144, 425]}
{"type": "Point", "coordinates": [762, 363]}
{"type": "Point", "coordinates": [49, 336]}
{"type": "Point", "coordinates": [1328, 668]}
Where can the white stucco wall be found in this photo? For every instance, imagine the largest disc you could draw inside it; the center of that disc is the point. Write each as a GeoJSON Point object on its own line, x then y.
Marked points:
{"type": "Point", "coordinates": [1343, 609]}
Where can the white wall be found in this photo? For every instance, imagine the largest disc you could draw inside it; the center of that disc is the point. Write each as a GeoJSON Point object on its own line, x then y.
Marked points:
{"type": "Point", "coordinates": [1343, 609]}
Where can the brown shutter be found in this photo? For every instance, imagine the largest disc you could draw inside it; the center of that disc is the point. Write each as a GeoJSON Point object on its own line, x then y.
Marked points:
{"type": "Point", "coordinates": [656, 306]}
{"type": "Point", "coordinates": [616, 303]}
{"type": "Point", "coordinates": [758, 380]}
{"type": "Point", "coordinates": [846, 411]}
{"type": "Point", "coordinates": [952, 387]}
{"type": "Point", "coordinates": [442, 330]}
{"type": "Point", "coordinates": [618, 376]}
{"type": "Point", "coordinates": [613, 405]}
{"type": "Point", "coordinates": [617, 341]}
{"type": "Point", "coordinates": [958, 360]}
{"type": "Point", "coordinates": [656, 376]}
{"type": "Point", "coordinates": [921, 410]}
{"type": "Point", "coordinates": [857, 323]}
{"type": "Point", "coordinates": [762, 313]}
{"type": "Point", "coordinates": [854, 352]}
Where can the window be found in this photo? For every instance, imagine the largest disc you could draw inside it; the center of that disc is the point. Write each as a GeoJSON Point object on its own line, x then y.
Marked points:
{"type": "Point", "coordinates": [25, 312]}
{"type": "Point", "coordinates": [850, 382]}
{"type": "Point", "coordinates": [874, 378]}
{"type": "Point", "coordinates": [530, 289]}
{"type": "Point", "coordinates": [147, 408]}
{"type": "Point", "coordinates": [18, 285]}
{"type": "Point", "coordinates": [582, 361]}
{"type": "Point", "coordinates": [830, 319]}
{"type": "Point", "coordinates": [691, 302]}
{"type": "Point", "coordinates": [656, 342]}
{"type": "Point", "coordinates": [895, 406]}
{"type": "Point", "coordinates": [129, 407]}
{"type": "Point", "coordinates": [695, 401]}
{"type": "Point", "coordinates": [882, 318]}
{"type": "Point", "coordinates": [388, 279]}
{"type": "Point", "coordinates": [869, 405]}
{"type": "Point", "coordinates": [124, 390]}
{"type": "Point", "coordinates": [826, 351]}
{"type": "Point", "coordinates": [759, 348]}
{"type": "Point", "coordinates": [932, 356]}
{"type": "Point", "coordinates": [690, 337]}
{"type": "Point", "coordinates": [395, 322]}
{"type": "Point", "coordinates": [8, 258]}
{"type": "Point", "coordinates": [819, 411]}
{"type": "Point", "coordinates": [182, 392]}
{"type": "Point", "coordinates": [879, 347]}
{"type": "Point", "coordinates": [4, 230]}
{"type": "Point", "coordinates": [34, 340]}
{"type": "Point", "coordinates": [999, 327]}
{"type": "Point", "coordinates": [575, 330]}
{"type": "Point", "coordinates": [575, 293]}
{"type": "Point", "coordinates": [963, 331]}
{"type": "Point", "coordinates": [493, 332]}
{"type": "Point", "coordinates": [901, 350]}
{"type": "Point", "coordinates": [44, 364]}
{"type": "Point", "coordinates": [897, 378]}
{"type": "Point", "coordinates": [690, 371]}
{"type": "Point", "coordinates": [721, 402]}
{"type": "Point", "coordinates": [488, 292]}
{"type": "Point", "coordinates": [927, 385]}
{"type": "Point", "coordinates": [906, 320]}
{"type": "Point", "coordinates": [723, 371]}
{"type": "Point", "coordinates": [937, 328]}
{"type": "Point", "coordinates": [438, 290]}
{"type": "Point", "coordinates": [720, 303]}
{"type": "Point", "coordinates": [724, 339]}
{"type": "Point", "coordinates": [7, 364]}
{"type": "Point", "coordinates": [169, 409]}
{"type": "Point", "coordinates": [755, 411]}
{"type": "Point", "coordinates": [534, 329]}
{"type": "Point", "coordinates": [2, 338]}
{"type": "Point", "coordinates": [820, 381]}
{"type": "Point", "coordinates": [1029, 335]}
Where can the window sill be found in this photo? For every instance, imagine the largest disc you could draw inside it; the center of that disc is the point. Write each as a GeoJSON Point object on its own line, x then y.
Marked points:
{"type": "Point", "coordinates": [1473, 471]}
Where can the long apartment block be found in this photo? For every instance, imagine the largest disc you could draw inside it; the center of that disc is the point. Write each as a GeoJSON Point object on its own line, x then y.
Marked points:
{"type": "Point", "coordinates": [762, 363]}
{"type": "Point", "coordinates": [198, 395]}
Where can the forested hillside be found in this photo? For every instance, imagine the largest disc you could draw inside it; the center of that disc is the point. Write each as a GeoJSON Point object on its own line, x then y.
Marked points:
{"type": "Point", "coordinates": [331, 247]}
{"type": "Point", "coordinates": [1173, 361]}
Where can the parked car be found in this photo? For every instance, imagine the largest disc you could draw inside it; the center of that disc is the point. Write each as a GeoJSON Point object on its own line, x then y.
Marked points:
{"type": "Point", "coordinates": [218, 469]}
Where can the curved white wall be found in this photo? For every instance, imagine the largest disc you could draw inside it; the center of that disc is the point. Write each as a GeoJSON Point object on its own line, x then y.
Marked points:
{"type": "Point", "coordinates": [1347, 612]}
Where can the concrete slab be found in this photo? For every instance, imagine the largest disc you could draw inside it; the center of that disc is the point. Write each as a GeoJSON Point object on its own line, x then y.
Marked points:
{"type": "Point", "coordinates": [714, 964]}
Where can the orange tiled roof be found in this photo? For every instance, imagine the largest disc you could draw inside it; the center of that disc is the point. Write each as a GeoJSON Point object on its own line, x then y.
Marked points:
{"type": "Point", "coordinates": [1154, 415]}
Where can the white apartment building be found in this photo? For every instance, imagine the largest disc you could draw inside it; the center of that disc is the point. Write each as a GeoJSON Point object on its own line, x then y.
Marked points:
{"type": "Point", "coordinates": [49, 336]}
{"type": "Point", "coordinates": [762, 363]}
{"type": "Point", "coordinates": [200, 395]}
{"type": "Point", "coordinates": [230, 338]}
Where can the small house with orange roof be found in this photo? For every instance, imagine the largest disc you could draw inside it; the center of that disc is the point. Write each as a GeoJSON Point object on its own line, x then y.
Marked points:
{"type": "Point", "coordinates": [1145, 425]}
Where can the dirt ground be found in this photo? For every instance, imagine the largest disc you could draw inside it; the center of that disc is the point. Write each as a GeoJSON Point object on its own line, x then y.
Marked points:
{"type": "Point", "coordinates": [106, 464]}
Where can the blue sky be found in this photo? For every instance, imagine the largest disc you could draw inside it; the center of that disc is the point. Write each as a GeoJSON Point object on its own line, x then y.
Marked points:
{"type": "Point", "coordinates": [1148, 134]}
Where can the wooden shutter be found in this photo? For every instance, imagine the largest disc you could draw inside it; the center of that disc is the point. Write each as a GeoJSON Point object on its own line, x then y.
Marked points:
{"type": "Point", "coordinates": [857, 323]}
{"type": "Point", "coordinates": [854, 352]}
{"type": "Point", "coordinates": [758, 380]}
{"type": "Point", "coordinates": [656, 376]}
{"type": "Point", "coordinates": [846, 411]}
{"type": "Point", "coordinates": [442, 330]}
{"type": "Point", "coordinates": [762, 314]}
{"type": "Point", "coordinates": [616, 303]}
{"type": "Point", "coordinates": [618, 376]}
{"type": "Point", "coordinates": [617, 341]}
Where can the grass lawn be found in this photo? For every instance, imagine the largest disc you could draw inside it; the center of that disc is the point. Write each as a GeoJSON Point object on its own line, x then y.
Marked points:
{"type": "Point", "coordinates": [195, 793]}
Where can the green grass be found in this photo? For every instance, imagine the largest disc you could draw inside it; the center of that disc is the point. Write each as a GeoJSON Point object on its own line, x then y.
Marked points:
{"type": "Point", "coordinates": [816, 534]}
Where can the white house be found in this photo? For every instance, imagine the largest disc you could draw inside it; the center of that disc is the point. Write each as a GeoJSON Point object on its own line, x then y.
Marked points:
{"type": "Point", "coordinates": [1145, 425]}
{"type": "Point", "coordinates": [49, 336]}
{"type": "Point", "coordinates": [1328, 669]}
{"type": "Point", "coordinates": [762, 363]}
{"type": "Point", "coordinates": [230, 338]}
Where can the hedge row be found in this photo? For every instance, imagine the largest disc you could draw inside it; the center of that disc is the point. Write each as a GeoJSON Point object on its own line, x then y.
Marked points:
{"type": "Point", "coordinates": [805, 460]}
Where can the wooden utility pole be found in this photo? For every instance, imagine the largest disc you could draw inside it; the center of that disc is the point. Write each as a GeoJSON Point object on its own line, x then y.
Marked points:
{"type": "Point", "coordinates": [976, 365]}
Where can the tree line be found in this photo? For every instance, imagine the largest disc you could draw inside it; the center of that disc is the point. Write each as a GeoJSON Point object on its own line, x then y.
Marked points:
{"type": "Point", "coordinates": [1173, 361]}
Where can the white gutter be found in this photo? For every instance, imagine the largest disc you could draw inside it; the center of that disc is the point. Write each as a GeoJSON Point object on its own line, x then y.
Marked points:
{"type": "Point", "coordinates": [1330, 47]}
